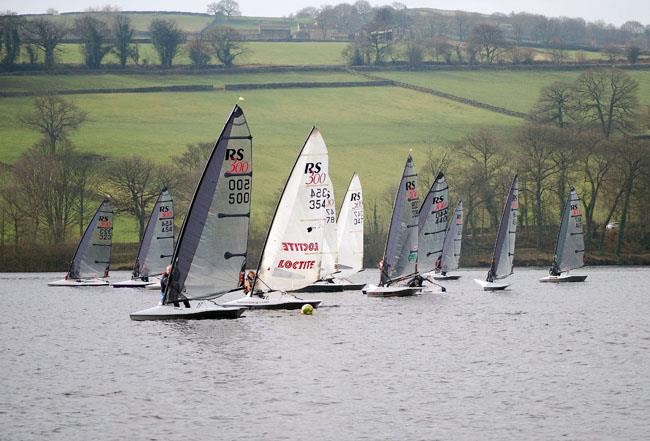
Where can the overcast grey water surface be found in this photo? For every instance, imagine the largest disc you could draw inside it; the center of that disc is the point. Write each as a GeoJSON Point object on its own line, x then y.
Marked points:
{"type": "Point", "coordinates": [536, 362]}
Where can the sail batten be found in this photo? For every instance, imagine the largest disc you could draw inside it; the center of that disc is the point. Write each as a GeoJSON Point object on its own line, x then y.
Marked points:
{"type": "Point", "coordinates": [432, 224]}
{"type": "Point", "coordinates": [569, 247]}
{"type": "Point", "coordinates": [200, 267]}
{"type": "Point", "coordinates": [401, 252]}
{"type": "Point", "coordinates": [504, 248]}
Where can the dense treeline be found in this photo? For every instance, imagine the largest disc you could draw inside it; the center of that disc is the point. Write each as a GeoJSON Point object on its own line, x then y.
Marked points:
{"type": "Point", "coordinates": [582, 134]}
{"type": "Point", "coordinates": [378, 34]}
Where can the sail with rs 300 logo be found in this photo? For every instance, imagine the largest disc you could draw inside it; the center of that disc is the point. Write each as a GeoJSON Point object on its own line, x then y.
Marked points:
{"type": "Point", "coordinates": [212, 244]}
{"type": "Point", "coordinates": [292, 254]}
{"type": "Point", "coordinates": [92, 259]}
{"type": "Point", "coordinates": [399, 264]}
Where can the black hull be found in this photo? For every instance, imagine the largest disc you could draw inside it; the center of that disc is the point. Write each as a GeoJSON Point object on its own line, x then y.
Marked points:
{"type": "Point", "coordinates": [564, 279]}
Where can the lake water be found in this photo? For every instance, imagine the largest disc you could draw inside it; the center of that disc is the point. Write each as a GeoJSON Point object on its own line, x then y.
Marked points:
{"type": "Point", "coordinates": [535, 362]}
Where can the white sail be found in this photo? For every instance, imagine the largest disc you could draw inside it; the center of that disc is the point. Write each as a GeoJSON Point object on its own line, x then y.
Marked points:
{"type": "Point", "coordinates": [93, 255]}
{"type": "Point", "coordinates": [157, 245]}
{"type": "Point", "coordinates": [570, 246]}
{"type": "Point", "coordinates": [350, 230]}
{"type": "Point", "coordinates": [329, 262]}
{"type": "Point", "coordinates": [432, 220]}
{"type": "Point", "coordinates": [453, 240]}
{"type": "Point", "coordinates": [401, 254]}
{"type": "Point", "coordinates": [212, 245]}
{"type": "Point", "coordinates": [291, 258]}
{"type": "Point", "coordinates": [504, 249]}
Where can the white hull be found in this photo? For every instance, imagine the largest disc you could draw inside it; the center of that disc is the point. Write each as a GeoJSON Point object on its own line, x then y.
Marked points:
{"type": "Point", "coordinates": [390, 291]}
{"type": "Point", "coordinates": [79, 282]}
{"type": "Point", "coordinates": [563, 278]}
{"type": "Point", "coordinates": [154, 287]}
{"type": "Point", "coordinates": [273, 300]}
{"type": "Point", "coordinates": [492, 286]}
{"type": "Point", "coordinates": [137, 283]}
{"type": "Point", "coordinates": [200, 311]}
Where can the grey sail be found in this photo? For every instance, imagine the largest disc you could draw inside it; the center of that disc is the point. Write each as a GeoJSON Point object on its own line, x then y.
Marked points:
{"type": "Point", "coordinates": [504, 248]}
{"type": "Point", "coordinates": [157, 244]}
{"type": "Point", "coordinates": [453, 241]}
{"type": "Point", "coordinates": [212, 244]}
{"type": "Point", "coordinates": [432, 224]}
{"type": "Point", "coordinates": [93, 255]}
{"type": "Point", "coordinates": [570, 246]}
{"type": "Point", "coordinates": [401, 253]}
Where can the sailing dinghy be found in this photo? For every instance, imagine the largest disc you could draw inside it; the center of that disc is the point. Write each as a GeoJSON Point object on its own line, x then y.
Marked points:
{"type": "Point", "coordinates": [451, 247]}
{"type": "Point", "coordinates": [156, 247]}
{"type": "Point", "coordinates": [92, 259]}
{"type": "Point", "coordinates": [211, 248]}
{"type": "Point", "coordinates": [292, 254]}
{"type": "Point", "coordinates": [570, 246]}
{"type": "Point", "coordinates": [432, 223]}
{"type": "Point", "coordinates": [399, 263]}
{"type": "Point", "coordinates": [504, 248]}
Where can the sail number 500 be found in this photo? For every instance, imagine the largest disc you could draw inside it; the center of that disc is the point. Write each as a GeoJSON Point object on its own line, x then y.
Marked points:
{"type": "Point", "coordinates": [240, 191]}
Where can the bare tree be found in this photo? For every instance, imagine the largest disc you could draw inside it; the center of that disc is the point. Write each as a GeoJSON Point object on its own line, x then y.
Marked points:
{"type": "Point", "coordinates": [481, 148]}
{"type": "Point", "coordinates": [54, 117]}
{"type": "Point", "coordinates": [229, 8]}
{"type": "Point", "coordinates": [633, 159]}
{"type": "Point", "coordinates": [47, 186]}
{"type": "Point", "coordinates": [123, 35]}
{"type": "Point", "coordinates": [537, 145]}
{"type": "Point", "coordinates": [46, 35]}
{"type": "Point", "coordinates": [608, 98]}
{"type": "Point", "coordinates": [95, 35]}
{"type": "Point", "coordinates": [166, 38]}
{"type": "Point", "coordinates": [554, 104]}
{"type": "Point", "coordinates": [135, 183]}
{"type": "Point", "coordinates": [199, 51]}
{"type": "Point", "coordinates": [11, 29]}
{"type": "Point", "coordinates": [489, 40]}
{"type": "Point", "coordinates": [595, 158]}
{"type": "Point", "coordinates": [227, 44]}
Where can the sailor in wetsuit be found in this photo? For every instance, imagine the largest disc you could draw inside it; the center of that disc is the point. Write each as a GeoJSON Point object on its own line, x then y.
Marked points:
{"type": "Point", "coordinates": [166, 279]}
{"type": "Point", "coordinates": [554, 271]}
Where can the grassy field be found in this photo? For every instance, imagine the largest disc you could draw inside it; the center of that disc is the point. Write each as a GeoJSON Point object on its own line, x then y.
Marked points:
{"type": "Point", "coordinates": [141, 22]}
{"type": "Point", "coordinates": [358, 124]}
{"type": "Point", "coordinates": [26, 83]}
{"type": "Point", "coordinates": [514, 90]}
{"type": "Point", "coordinates": [258, 52]}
